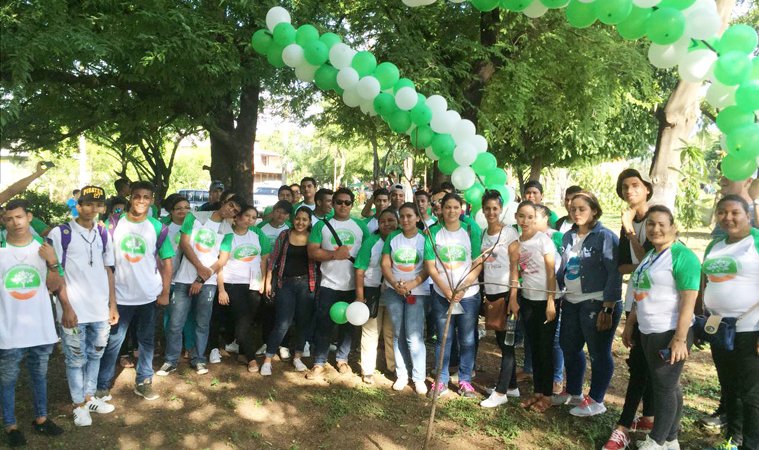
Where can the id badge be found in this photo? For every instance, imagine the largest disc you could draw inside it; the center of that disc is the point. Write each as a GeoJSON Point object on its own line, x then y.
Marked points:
{"type": "Point", "coordinates": [712, 324]}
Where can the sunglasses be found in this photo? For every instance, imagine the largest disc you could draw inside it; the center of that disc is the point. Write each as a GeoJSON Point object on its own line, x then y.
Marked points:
{"type": "Point", "coordinates": [343, 202]}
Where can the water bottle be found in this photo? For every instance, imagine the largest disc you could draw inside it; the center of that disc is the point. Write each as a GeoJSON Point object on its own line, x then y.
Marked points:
{"type": "Point", "coordinates": [511, 328]}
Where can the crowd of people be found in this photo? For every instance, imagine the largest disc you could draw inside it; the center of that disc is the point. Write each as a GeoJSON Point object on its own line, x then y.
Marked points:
{"type": "Point", "coordinates": [119, 271]}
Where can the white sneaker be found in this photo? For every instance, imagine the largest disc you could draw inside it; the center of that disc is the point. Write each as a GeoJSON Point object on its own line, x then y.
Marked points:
{"type": "Point", "coordinates": [588, 408]}
{"type": "Point", "coordinates": [494, 400]}
{"type": "Point", "coordinates": [420, 387]}
{"type": "Point", "coordinates": [672, 445]}
{"type": "Point", "coordinates": [566, 399]}
{"type": "Point", "coordinates": [99, 406]}
{"type": "Point", "coordinates": [513, 393]}
{"type": "Point", "coordinates": [82, 417]}
{"type": "Point", "coordinates": [399, 384]}
{"type": "Point", "coordinates": [232, 347]}
{"type": "Point", "coordinates": [261, 350]}
{"type": "Point", "coordinates": [332, 348]}
{"type": "Point", "coordinates": [284, 353]}
{"type": "Point", "coordinates": [650, 444]}
{"type": "Point", "coordinates": [299, 366]}
{"type": "Point", "coordinates": [215, 356]}
{"type": "Point", "coordinates": [306, 351]}
{"type": "Point", "coordinates": [265, 369]}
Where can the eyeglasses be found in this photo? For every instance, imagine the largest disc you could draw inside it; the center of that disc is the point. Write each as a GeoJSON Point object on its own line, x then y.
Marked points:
{"type": "Point", "coordinates": [343, 202]}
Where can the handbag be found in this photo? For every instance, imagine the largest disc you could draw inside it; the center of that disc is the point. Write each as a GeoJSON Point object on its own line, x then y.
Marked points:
{"type": "Point", "coordinates": [372, 301]}
{"type": "Point", "coordinates": [494, 312]}
{"type": "Point", "coordinates": [718, 331]}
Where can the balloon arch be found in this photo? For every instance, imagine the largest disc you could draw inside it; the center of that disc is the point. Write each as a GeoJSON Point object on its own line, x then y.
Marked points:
{"type": "Point", "coordinates": [683, 34]}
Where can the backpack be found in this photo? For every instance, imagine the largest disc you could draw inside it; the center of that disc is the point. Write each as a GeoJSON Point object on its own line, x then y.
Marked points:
{"type": "Point", "coordinates": [161, 235]}
{"type": "Point", "coordinates": [66, 240]}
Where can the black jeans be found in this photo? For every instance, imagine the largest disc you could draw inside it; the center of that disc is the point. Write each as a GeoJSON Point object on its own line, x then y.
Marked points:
{"type": "Point", "coordinates": [243, 306]}
{"type": "Point", "coordinates": [665, 381]}
{"type": "Point", "coordinates": [221, 327]}
{"type": "Point", "coordinates": [739, 375]}
{"type": "Point", "coordinates": [325, 327]}
{"type": "Point", "coordinates": [507, 378]}
{"type": "Point", "coordinates": [292, 302]}
{"type": "Point", "coordinates": [541, 337]}
{"type": "Point", "coordinates": [638, 384]}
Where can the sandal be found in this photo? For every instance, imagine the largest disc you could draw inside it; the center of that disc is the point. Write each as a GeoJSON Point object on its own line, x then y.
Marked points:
{"type": "Point", "coordinates": [542, 405]}
{"type": "Point", "coordinates": [253, 367]}
{"type": "Point", "coordinates": [126, 361]}
{"type": "Point", "coordinates": [530, 401]}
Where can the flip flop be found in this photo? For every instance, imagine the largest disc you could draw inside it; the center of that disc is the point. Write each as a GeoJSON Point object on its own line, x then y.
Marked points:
{"type": "Point", "coordinates": [542, 405]}
{"type": "Point", "coordinates": [529, 402]}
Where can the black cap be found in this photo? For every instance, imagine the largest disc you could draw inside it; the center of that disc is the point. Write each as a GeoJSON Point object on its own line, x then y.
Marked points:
{"type": "Point", "coordinates": [91, 194]}
{"type": "Point", "coordinates": [632, 173]}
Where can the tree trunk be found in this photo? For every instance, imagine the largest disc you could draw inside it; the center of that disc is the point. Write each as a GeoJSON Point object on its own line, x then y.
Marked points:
{"type": "Point", "coordinates": [676, 122]}
{"type": "Point", "coordinates": [375, 159]}
{"type": "Point", "coordinates": [535, 167]}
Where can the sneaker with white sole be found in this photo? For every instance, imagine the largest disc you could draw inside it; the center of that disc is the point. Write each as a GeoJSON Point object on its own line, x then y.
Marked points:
{"type": "Point", "coordinates": [494, 400]}
{"type": "Point", "coordinates": [299, 366]}
{"type": "Point", "coordinates": [399, 384]}
{"type": "Point", "coordinates": [165, 370]}
{"type": "Point", "coordinates": [420, 387]}
{"type": "Point", "coordinates": [215, 356]}
{"type": "Point", "coordinates": [672, 445]}
{"type": "Point", "coordinates": [104, 395]}
{"type": "Point", "coordinates": [265, 369]}
{"type": "Point", "coordinates": [440, 388]}
{"type": "Point", "coordinates": [513, 393]}
{"type": "Point", "coordinates": [99, 406]}
{"type": "Point", "coordinates": [588, 408]}
{"type": "Point", "coordinates": [565, 398]}
{"type": "Point", "coordinates": [232, 347]}
{"type": "Point", "coordinates": [82, 417]}
{"type": "Point", "coordinates": [619, 440]}
{"type": "Point", "coordinates": [284, 353]}
{"type": "Point", "coordinates": [306, 351]}
{"type": "Point", "coordinates": [145, 390]}
{"type": "Point", "coordinates": [332, 348]}
{"type": "Point", "coordinates": [261, 350]}
{"type": "Point", "coordinates": [201, 368]}
{"type": "Point", "coordinates": [650, 444]}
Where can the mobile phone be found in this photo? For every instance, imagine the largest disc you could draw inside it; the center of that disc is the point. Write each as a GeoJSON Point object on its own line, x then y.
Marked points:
{"type": "Point", "coordinates": [48, 164]}
{"type": "Point", "coordinates": [666, 354]}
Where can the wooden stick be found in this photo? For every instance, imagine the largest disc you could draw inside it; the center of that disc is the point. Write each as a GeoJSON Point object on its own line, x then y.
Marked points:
{"type": "Point", "coordinates": [439, 365]}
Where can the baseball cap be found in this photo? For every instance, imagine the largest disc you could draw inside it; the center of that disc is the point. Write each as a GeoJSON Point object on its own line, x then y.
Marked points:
{"type": "Point", "coordinates": [91, 194]}
{"type": "Point", "coordinates": [397, 186]}
{"type": "Point", "coordinates": [632, 173]}
{"type": "Point", "coordinates": [216, 184]}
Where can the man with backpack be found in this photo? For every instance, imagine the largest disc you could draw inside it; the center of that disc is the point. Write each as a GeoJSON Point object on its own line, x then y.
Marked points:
{"type": "Point", "coordinates": [141, 283]}
{"type": "Point", "coordinates": [86, 251]}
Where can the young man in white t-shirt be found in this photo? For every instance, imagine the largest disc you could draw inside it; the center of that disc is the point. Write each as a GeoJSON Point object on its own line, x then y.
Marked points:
{"type": "Point", "coordinates": [29, 269]}
{"type": "Point", "coordinates": [140, 242]}
{"type": "Point", "coordinates": [381, 201]}
{"type": "Point", "coordinates": [86, 251]}
{"type": "Point", "coordinates": [338, 277]}
{"type": "Point", "coordinates": [277, 221]}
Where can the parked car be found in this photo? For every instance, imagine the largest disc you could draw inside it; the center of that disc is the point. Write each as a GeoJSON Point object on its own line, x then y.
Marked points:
{"type": "Point", "coordinates": [264, 196]}
{"type": "Point", "coordinates": [196, 197]}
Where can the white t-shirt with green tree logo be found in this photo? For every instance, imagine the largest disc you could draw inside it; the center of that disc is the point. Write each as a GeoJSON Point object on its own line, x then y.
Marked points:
{"type": "Point", "coordinates": [244, 264]}
{"type": "Point", "coordinates": [407, 256]}
{"type": "Point", "coordinates": [207, 239]}
{"type": "Point", "coordinates": [339, 274]}
{"type": "Point", "coordinates": [457, 250]}
{"type": "Point", "coordinates": [368, 260]}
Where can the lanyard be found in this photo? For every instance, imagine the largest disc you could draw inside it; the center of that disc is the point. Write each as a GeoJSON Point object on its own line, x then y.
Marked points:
{"type": "Point", "coordinates": [647, 263]}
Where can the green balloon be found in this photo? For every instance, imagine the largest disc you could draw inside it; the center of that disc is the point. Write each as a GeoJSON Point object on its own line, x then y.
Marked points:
{"type": "Point", "coordinates": [400, 121]}
{"type": "Point", "coordinates": [364, 63]}
{"type": "Point", "coordinates": [446, 164]}
{"type": "Point", "coordinates": [732, 118]}
{"type": "Point", "coordinates": [403, 82]}
{"type": "Point", "coordinates": [422, 136]}
{"type": "Point", "coordinates": [316, 53]}
{"type": "Point", "coordinates": [421, 114]}
{"type": "Point", "coordinates": [473, 195]}
{"type": "Point", "coordinates": [611, 12]}
{"type": "Point", "coordinates": [384, 104]}
{"type": "Point", "coordinates": [261, 41]}
{"type": "Point", "coordinates": [732, 68]}
{"type": "Point", "coordinates": [387, 74]}
{"type": "Point", "coordinates": [337, 312]}
{"type": "Point", "coordinates": [747, 95]}
{"type": "Point", "coordinates": [677, 4]}
{"type": "Point", "coordinates": [330, 39]}
{"type": "Point", "coordinates": [665, 26]}
{"type": "Point", "coordinates": [443, 145]}
{"type": "Point", "coordinates": [326, 77]}
{"type": "Point", "coordinates": [505, 194]}
{"type": "Point", "coordinates": [274, 55]}
{"type": "Point", "coordinates": [284, 34]}
{"type": "Point", "coordinates": [554, 4]}
{"type": "Point", "coordinates": [485, 5]}
{"type": "Point", "coordinates": [743, 143]}
{"type": "Point", "coordinates": [516, 5]}
{"type": "Point", "coordinates": [755, 68]}
{"type": "Point", "coordinates": [737, 169]}
{"type": "Point", "coordinates": [496, 176]}
{"type": "Point", "coordinates": [580, 14]}
{"type": "Point", "coordinates": [306, 33]}
{"type": "Point", "coordinates": [634, 27]}
{"type": "Point", "coordinates": [484, 163]}
{"type": "Point", "coordinates": [738, 38]}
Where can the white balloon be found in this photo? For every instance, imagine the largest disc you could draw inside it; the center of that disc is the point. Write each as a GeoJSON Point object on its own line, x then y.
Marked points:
{"type": "Point", "coordinates": [438, 121]}
{"type": "Point", "coordinates": [347, 78]}
{"type": "Point", "coordinates": [406, 98]}
{"type": "Point", "coordinates": [479, 143]}
{"type": "Point", "coordinates": [436, 103]}
{"type": "Point", "coordinates": [275, 16]}
{"type": "Point", "coordinates": [720, 96]}
{"type": "Point", "coordinates": [463, 131]}
{"type": "Point", "coordinates": [480, 219]}
{"type": "Point", "coordinates": [340, 55]}
{"type": "Point", "coordinates": [452, 1]}
{"type": "Point", "coordinates": [351, 98]}
{"type": "Point", "coordinates": [357, 313]}
{"type": "Point", "coordinates": [292, 55]}
{"type": "Point", "coordinates": [695, 65]}
{"type": "Point", "coordinates": [368, 87]}
{"type": "Point", "coordinates": [509, 213]}
{"type": "Point", "coordinates": [464, 154]}
{"type": "Point", "coordinates": [431, 154]}
{"type": "Point", "coordinates": [702, 21]}
{"type": "Point", "coordinates": [667, 56]}
{"type": "Point", "coordinates": [646, 3]}
{"type": "Point", "coordinates": [535, 10]}
{"type": "Point", "coordinates": [463, 177]}
{"type": "Point", "coordinates": [305, 72]}
{"type": "Point", "coordinates": [451, 118]}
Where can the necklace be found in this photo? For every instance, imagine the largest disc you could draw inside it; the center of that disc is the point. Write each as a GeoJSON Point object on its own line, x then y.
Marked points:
{"type": "Point", "coordinates": [90, 242]}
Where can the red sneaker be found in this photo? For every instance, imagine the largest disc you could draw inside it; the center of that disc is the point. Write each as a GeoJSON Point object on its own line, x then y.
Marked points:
{"type": "Point", "coordinates": [617, 441]}
{"type": "Point", "coordinates": [642, 425]}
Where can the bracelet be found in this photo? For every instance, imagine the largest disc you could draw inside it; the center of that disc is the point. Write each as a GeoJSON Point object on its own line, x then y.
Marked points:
{"type": "Point", "coordinates": [199, 279]}
{"type": "Point", "coordinates": [55, 266]}
{"type": "Point", "coordinates": [607, 310]}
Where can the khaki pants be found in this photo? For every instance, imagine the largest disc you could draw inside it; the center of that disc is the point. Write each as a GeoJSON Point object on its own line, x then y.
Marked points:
{"type": "Point", "coordinates": [370, 339]}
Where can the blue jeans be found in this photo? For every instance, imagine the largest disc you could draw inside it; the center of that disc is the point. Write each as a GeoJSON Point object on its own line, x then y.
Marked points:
{"type": "Point", "coordinates": [189, 327]}
{"type": "Point", "coordinates": [579, 328]}
{"type": "Point", "coordinates": [145, 317]}
{"type": "Point", "coordinates": [36, 364]}
{"type": "Point", "coordinates": [465, 327]}
{"type": "Point", "coordinates": [325, 298]}
{"type": "Point", "coordinates": [179, 308]}
{"type": "Point", "coordinates": [293, 302]}
{"type": "Point", "coordinates": [408, 334]}
{"type": "Point", "coordinates": [83, 347]}
{"type": "Point", "coordinates": [558, 354]}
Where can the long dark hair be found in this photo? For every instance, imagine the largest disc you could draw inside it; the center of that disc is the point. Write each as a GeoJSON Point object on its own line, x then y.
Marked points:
{"type": "Point", "coordinates": [309, 213]}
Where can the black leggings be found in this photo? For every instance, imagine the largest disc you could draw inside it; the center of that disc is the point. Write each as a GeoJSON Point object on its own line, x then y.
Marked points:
{"type": "Point", "coordinates": [507, 378]}
{"type": "Point", "coordinates": [541, 337]}
{"type": "Point", "coordinates": [638, 384]}
{"type": "Point", "coordinates": [238, 317]}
